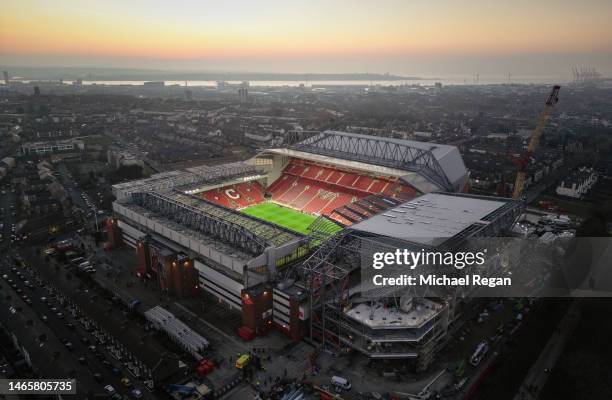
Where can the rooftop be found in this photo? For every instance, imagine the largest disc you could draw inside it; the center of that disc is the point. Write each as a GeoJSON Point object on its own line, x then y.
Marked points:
{"type": "Point", "coordinates": [189, 178]}
{"type": "Point", "coordinates": [176, 329]}
{"type": "Point", "coordinates": [439, 163]}
{"type": "Point", "coordinates": [431, 218]}
{"type": "Point", "coordinates": [379, 316]}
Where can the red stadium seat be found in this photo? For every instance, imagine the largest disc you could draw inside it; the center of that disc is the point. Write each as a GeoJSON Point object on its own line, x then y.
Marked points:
{"type": "Point", "coordinates": [340, 219]}
{"type": "Point", "coordinates": [320, 189]}
{"type": "Point", "coordinates": [316, 204]}
{"type": "Point", "coordinates": [378, 186]}
{"type": "Point", "coordinates": [236, 196]}
{"type": "Point", "coordinates": [363, 183]}
{"type": "Point", "coordinates": [315, 189]}
{"type": "Point", "coordinates": [300, 201]}
{"type": "Point", "coordinates": [334, 177]}
{"type": "Point", "coordinates": [295, 169]}
{"type": "Point", "coordinates": [347, 179]}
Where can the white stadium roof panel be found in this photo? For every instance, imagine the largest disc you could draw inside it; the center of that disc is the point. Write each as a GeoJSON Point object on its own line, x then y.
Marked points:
{"type": "Point", "coordinates": [430, 218]}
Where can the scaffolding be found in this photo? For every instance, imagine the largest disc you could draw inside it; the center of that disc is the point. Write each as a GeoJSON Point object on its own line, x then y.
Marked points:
{"type": "Point", "coordinates": [330, 272]}
{"type": "Point", "coordinates": [328, 286]}
{"type": "Point", "coordinates": [332, 269]}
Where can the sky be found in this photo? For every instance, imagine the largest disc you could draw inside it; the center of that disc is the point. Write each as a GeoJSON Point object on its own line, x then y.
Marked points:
{"type": "Point", "coordinates": [405, 37]}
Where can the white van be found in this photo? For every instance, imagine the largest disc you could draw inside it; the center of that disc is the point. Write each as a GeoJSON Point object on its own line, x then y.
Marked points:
{"type": "Point", "coordinates": [341, 382]}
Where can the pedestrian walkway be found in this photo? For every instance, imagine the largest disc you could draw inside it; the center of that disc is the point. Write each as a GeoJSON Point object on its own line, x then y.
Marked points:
{"type": "Point", "coordinates": [239, 346]}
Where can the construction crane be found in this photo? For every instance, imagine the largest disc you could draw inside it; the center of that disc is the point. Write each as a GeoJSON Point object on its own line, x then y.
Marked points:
{"type": "Point", "coordinates": [523, 162]}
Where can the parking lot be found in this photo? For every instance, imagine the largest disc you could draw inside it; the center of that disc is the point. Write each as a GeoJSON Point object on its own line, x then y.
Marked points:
{"type": "Point", "coordinates": [59, 328]}
{"type": "Point", "coordinates": [104, 342]}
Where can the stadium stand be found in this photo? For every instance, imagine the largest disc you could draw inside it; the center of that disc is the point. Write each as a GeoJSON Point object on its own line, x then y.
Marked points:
{"type": "Point", "coordinates": [349, 180]}
{"type": "Point", "coordinates": [340, 219]}
{"type": "Point", "coordinates": [309, 195]}
{"type": "Point", "coordinates": [317, 189]}
{"type": "Point", "coordinates": [236, 196]}
{"type": "Point", "coordinates": [363, 209]}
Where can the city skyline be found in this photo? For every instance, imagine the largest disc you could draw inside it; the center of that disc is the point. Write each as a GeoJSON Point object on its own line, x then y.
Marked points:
{"type": "Point", "coordinates": [398, 37]}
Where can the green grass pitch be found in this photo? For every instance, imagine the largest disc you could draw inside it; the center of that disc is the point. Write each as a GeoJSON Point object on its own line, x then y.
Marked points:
{"type": "Point", "coordinates": [282, 216]}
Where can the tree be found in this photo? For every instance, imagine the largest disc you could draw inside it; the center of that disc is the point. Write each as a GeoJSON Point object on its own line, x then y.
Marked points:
{"type": "Point", "coordinates": [127, 172]}
{"type": "Point", "coordinates": [595, 224]}
{"type": "Point", "coordinates": [61, 257]}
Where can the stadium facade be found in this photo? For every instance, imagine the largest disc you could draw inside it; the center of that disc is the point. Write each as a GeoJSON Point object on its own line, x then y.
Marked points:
{"type": "Point", "coordinates": [275, 237]}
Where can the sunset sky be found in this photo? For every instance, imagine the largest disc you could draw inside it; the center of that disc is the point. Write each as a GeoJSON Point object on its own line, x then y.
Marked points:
{"type": "Point", "coordinates": [402, 37]}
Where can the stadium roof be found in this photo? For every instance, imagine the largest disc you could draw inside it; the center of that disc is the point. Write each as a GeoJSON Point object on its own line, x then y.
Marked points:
{"type": "Point", "coordinates": [433, 218]}
{"type": "Point", "coordinates": [189, 178]}
{"type": "Point", "coordinates": [213, 220]}
{"type": "Point", "coordinates": [439, 163]}
{"type": "Point", "coordinates": [204, 241]}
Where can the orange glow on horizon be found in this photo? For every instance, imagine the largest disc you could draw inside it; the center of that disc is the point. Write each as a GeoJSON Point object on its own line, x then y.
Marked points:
{"type": "Point", "coordinates": [33, 27]}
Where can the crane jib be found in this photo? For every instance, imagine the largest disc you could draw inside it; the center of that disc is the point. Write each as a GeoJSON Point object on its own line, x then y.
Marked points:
{"type": "Point", "coordinates": [552, 99]}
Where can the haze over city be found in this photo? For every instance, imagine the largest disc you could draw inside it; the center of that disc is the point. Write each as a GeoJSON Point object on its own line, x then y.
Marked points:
{"type": "Point", "coordinates": [414, 38]}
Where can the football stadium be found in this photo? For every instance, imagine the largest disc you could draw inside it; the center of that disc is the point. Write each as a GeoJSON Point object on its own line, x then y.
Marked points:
{"type": "Point", "coordinates": [277, 237]}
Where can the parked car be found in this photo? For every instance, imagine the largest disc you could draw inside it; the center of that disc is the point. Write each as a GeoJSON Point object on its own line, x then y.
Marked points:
{"type": "Point", "coordinates": [341, 382]}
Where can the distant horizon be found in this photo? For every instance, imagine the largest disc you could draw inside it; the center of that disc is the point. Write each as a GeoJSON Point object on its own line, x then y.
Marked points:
{"type": "Point", "coordinates": [110, 74]}
{"type": "Point", "coordinates": [187, 70]}
{"type": "Point", "coordinates": [516, 66]}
